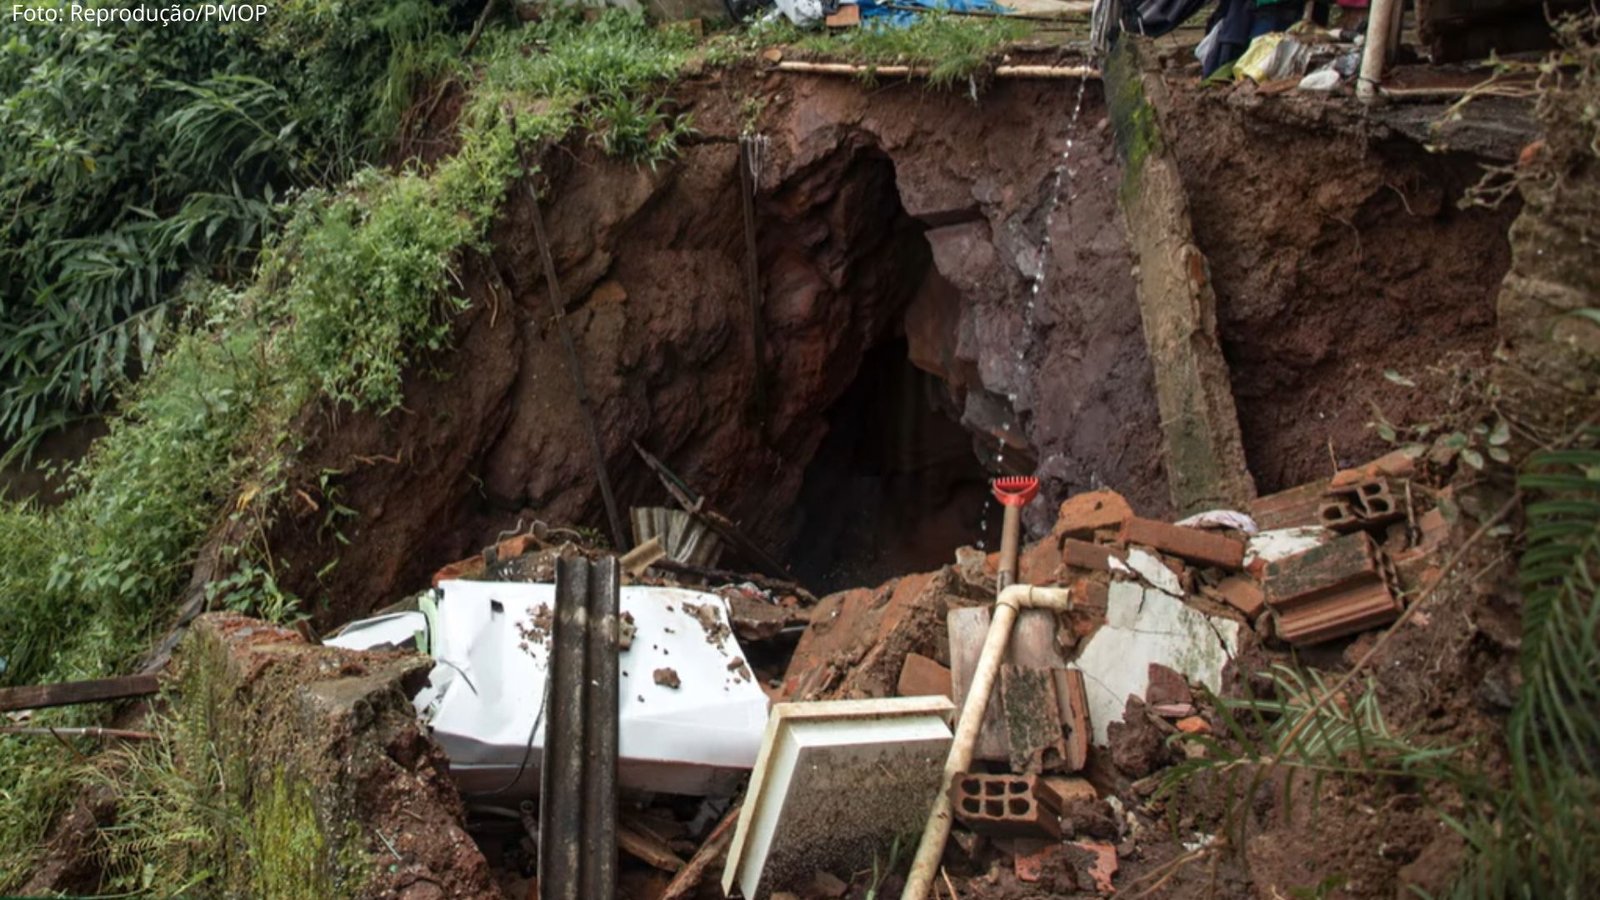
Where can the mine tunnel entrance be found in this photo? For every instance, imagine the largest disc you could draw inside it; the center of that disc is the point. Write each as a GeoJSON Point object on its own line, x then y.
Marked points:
{"type": "Point", "coordinates": [895, 486]}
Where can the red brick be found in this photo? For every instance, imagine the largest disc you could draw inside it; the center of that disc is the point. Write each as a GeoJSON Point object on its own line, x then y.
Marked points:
{"type": "Point", "coordinates": [1073, 699]}
{"type": "Point", "coordinates": [1005, 805]}
{"type": "Point", "coordinates": [1242, 593]}
{"type": "Point", "coordinates": [1296, 507]}
{"type": "Point", "coordinates": [1030, 866]}
{"type": "Point", "coordinates": [1104, 866]}
{"type": "Point", "coordinates": [1069, 790]}
{"type": "Point", "coordinates": [1166, 687]}
{"type": "Point", "coordinates": [1192, 544]}
{"type": "Point", "coordinates": [1339, 588]}
{"type": "Point", "coordinates": [922, 677]}
{"type": "Point", "coordinates": [1083, 514]}
{"type": "Point", "coordinates": [1084, 555]}
{"type": "Point", "coordinates": [1039, 563]}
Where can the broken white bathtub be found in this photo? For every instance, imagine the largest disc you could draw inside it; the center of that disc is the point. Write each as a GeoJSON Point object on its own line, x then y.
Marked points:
{"type": "Point", "coordinates": [484, 702]}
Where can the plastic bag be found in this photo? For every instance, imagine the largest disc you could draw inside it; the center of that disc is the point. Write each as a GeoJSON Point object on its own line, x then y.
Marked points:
{"type": "Point", "coordinates": [1272, 57]}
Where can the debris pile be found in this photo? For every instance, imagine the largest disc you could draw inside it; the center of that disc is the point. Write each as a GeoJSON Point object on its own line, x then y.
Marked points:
{"type": "Point", "coordinates": [789, 746]}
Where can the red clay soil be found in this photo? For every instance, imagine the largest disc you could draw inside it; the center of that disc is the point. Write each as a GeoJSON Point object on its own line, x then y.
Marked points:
{"type": "Point", "coordinates": [879, 217]}
{"type": "Point", "coordinates": [1336, 254]}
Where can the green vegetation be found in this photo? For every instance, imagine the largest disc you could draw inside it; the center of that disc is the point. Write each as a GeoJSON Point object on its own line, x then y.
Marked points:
{"type": "Point", "coordinates": [356, 286]}
{"type": "Point", "coordinates": [201, 813]}
{"type": "Point", "coordinates": [953, 48]}
{"type": "Point", "coordinates": [140, 155]}
{"type": "Point", "coordinates": [1541, 838]}
{"type": "Point", "coordinates": [1347, 739]}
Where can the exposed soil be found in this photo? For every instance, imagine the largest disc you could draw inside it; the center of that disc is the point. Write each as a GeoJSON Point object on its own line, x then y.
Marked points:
{"type": "Point", "coordinates": [1335, 256]}
{"type": "Point", "coordinates": [879, 219]}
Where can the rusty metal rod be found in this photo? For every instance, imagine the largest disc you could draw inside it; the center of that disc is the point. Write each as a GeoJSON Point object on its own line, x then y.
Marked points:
{"type": "Point", "coordinates": [558, 306]}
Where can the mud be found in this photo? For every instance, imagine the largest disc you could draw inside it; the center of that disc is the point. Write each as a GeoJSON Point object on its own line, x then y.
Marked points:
{"type": "Point", "coordinates": [1335, 256]}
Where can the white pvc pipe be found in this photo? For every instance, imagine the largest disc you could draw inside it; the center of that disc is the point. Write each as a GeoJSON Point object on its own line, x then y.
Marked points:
{"type": "Point", "coordinates": [937, 831]}
{"type": "Point", "coordinates": [1380, 19]}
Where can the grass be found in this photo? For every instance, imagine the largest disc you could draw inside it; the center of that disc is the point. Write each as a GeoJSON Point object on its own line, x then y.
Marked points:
{"type": "Point", "coordinates": [201, 813]}
{"type": "Point", "coordinates": [953, 48]}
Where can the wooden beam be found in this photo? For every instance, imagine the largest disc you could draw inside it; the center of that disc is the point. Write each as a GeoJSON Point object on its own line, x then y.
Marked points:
{"type": "Point", "coordinates": [39, 696]}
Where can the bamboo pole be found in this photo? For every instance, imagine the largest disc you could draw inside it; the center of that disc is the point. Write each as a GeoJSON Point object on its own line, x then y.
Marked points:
{"type": "Point", "coordinates": [931, 849]}
{"type": "Point", "coordinates": [897, 71]}
{"type": "Point", "coordinates": [91, 732]}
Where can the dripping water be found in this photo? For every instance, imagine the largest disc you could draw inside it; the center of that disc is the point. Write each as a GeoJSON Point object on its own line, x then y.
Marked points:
{"type": "Point", "coordinates": [1061, 178]}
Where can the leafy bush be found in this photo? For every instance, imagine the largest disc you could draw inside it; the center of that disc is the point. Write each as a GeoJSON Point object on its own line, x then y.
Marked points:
{"type": "Point", "coordinates": [139, 154]}
{"type": "Point", "coordinates": [1541, 838]}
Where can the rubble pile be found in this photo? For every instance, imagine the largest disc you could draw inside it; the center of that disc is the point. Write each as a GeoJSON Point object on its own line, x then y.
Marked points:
{"type": "Point", "coordinates": [815, 787]}
{"type": "Point", "coordinates": [1090, 702]}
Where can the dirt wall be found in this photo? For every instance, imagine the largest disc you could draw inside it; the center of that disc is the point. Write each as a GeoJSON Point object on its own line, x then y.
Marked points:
{"type": "Point", "coordinates": [1336, 253]}
{"type": "Point", "coordinates": [879, 216]}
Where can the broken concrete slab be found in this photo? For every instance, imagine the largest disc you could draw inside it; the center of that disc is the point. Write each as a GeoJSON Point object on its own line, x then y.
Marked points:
{"type": "Point", "coordinates": [1204, 453]}
{"type": "Point", "coordinates": [1033, 645]}
{"type": "Point", "coordinates": [1146, 626]}
{"type": "Point", "coordinates": [1154, 571]}
{"type": "Point", "coordinates": [835, 784]}
{"type": "Point", "coordinates": [694, 730]}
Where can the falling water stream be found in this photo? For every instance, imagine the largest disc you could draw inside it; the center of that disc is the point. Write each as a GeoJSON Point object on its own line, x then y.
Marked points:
{"type": "Point", "coordinates": [1060, 178]}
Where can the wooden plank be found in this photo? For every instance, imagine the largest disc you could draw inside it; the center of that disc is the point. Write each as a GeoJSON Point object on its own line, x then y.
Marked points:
{"type": "Point", "coordinates": [40, 696]}
{"type": "Point", "coordinates": [687, 882]}
{"type": "Point", "coordinates": [648, 848]}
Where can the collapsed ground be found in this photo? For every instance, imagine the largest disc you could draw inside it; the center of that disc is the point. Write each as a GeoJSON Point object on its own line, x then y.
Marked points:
{"type": "Point", "coordinates": [896, 257]}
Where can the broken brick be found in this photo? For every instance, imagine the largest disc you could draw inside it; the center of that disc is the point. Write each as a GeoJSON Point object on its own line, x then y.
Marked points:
{"type": "Point", "coordinates": [1039, 563]}
{"type": "Point", "coordinates": [1069, 790]}
{"type": "Point", "coordinates": [1084, 555]}
{"type": "Point", "coordinates": [922, 677]}
{"type": "Point", "coordinates": [1200, 547]}
{"type": "Point", "coordinates": [1194, 725]}
{"type": "Point", "coordinates": [1005, 805]}
{"type": "Point", "coordinates": [1338, 588]}
{"type": "Point", "coordinates": [1242, 593]}
{"type": "Point", "coordinates": [1395, 464]}
{"type": "Point", "coordinates": [1360, 504]}
{"type": "Point", "coordinates": [1104, 866]}
{"type": "Point", "coordinates": [1297, 507]}
{"type": "Point", "coordinates": [1033, 718]}
{"type": "Point", "coordinates": [1030, 866]}
{"type": "Point", "coordinates": [1166, 687]}
{"type": "Point", "coordinates": [1082, 515]}
{"type": "Point", "coordinates": [1073, 700]}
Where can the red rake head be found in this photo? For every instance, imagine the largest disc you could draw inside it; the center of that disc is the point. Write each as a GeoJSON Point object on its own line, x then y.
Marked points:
{"type": "Point", "coordinates": [1015, 490]}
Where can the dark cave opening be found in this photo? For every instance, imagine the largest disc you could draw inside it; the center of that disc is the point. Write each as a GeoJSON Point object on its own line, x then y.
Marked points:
{"type": "Point", "coordinates": [895, 486]}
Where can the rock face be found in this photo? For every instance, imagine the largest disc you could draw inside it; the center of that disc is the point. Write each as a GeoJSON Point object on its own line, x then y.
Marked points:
{"type": "Point", "coordinates": [881, 218]}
